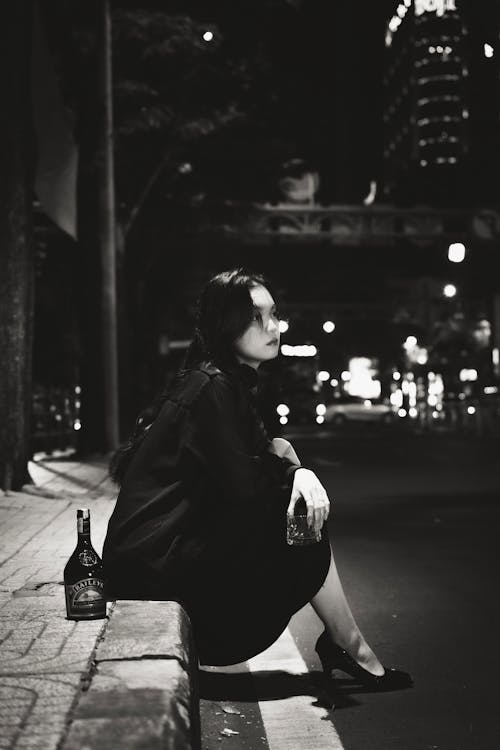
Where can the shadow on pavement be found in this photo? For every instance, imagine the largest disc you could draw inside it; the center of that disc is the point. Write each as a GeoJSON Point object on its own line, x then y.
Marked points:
{"type": "Point", "coordinates": [276, 685]}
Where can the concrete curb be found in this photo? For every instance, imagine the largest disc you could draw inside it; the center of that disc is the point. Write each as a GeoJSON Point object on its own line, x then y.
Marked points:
{"type": "Point", "coordinates": [143, 690]}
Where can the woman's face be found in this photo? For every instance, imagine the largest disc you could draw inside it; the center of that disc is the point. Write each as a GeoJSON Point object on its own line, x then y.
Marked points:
{"type": "Point", "coordinates": [261, 340]}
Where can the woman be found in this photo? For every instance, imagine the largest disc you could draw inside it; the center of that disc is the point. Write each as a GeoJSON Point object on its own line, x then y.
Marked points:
{"type": "Point", "coordinates": [201, 515]}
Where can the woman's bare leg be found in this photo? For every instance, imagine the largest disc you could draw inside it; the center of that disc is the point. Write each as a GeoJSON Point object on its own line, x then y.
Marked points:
{"type": "Point", "coordinates": [330, 603]}
{"type": "Point", "coordinates": [331, 606]}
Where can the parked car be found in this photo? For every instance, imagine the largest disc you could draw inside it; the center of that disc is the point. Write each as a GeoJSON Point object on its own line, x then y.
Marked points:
{"type": "Point", "coordinates": [356, 409]}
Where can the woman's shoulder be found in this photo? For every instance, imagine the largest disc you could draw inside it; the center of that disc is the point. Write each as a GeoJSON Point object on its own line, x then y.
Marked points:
{"type": "Point", "coordinates": [205, 380]}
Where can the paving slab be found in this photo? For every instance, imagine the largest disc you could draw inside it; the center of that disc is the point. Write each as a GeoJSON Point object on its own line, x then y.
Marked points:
{"type": "Point", "coordinates": [44, 658]}
{"type": "Point", "coordinates": [57, 689]}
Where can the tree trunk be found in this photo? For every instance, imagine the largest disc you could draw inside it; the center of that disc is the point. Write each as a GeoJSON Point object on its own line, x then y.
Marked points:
{"type": "Point", "coordinates": [16, 247]}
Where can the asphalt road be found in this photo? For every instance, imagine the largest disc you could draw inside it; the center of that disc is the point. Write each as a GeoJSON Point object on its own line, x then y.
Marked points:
{"type": "Point", "coordinates": [414, 528]}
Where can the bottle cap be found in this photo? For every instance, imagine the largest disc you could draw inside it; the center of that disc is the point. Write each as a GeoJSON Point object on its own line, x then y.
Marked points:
{"type": "Point", "coordinates": [83, 513]}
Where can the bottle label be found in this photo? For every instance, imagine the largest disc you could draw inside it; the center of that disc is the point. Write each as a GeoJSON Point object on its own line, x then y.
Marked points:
{"type": "Point", "coordinates": [88, 558]}
{"type": "Point", "coordinates": [83, 525]}
{"type": "Point", "coordinates": [86, 597]}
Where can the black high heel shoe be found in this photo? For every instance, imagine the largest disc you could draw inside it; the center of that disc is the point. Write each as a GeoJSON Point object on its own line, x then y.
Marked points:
{"type": "Point", "coordinates": [333, 656]}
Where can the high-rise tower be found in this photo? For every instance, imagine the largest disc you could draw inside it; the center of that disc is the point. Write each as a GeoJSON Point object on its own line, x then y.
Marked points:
{"type": "Point", "coordinates": [442, 95]}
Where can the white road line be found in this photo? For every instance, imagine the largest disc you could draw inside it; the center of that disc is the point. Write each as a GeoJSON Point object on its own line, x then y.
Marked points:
{"type": "Point", "coordinates": [293, 722]}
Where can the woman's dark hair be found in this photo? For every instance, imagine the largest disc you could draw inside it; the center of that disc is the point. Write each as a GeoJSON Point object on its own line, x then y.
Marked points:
{"type": "Point", "coordinates": [224, 313]}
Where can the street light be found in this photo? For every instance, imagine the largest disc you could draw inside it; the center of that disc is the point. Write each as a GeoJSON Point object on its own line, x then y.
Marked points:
{"type": "Point", "coordinates": [283, 326]}
{"type": "Point", "coordinates": [449, 290]}
{"type": "Point", "coordinates": [328, 326]}
{"type": "Point", "coordinates": [208, 36]}
{"type": "Point", "coordinates": [304, 350]}
{"type": "Point", "coordinates": [456, 252]}
{"type": "Point", "coordinates": [467, 375]}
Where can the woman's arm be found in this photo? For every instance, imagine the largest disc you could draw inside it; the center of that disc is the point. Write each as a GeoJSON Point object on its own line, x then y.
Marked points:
{"type": "Point", "coordinates": [306, 485]}
{"type": "Point", "coordinates": [241, 480]}
{"type": "Point", "coordinates": [218, 441]}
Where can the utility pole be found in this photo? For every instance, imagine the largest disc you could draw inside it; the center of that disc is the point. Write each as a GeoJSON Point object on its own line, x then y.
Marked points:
{"type": "Point", "coordinates": [107, 238]}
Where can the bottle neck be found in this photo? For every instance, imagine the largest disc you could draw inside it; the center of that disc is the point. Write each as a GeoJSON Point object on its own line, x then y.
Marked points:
{"type": "Point", "coordinates": [83, 528]}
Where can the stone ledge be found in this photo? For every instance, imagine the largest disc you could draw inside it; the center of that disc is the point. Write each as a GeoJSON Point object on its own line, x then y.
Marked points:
{"type": "Point", "coordinates": [144, 691]}
{"type": "Point", "coordinates": [141, 628]}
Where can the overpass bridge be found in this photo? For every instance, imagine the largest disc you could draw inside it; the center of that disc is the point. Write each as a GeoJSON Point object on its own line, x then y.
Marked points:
{"type": "Point", "coordinates": [347, 225]}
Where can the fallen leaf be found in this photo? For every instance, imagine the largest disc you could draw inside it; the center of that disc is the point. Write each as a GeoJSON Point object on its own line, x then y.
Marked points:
{"type": "Point", "coordinates": [230, 709]}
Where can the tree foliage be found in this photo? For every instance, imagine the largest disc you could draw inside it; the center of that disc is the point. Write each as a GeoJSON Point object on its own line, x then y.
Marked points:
{"type": "Point", "coordinates": [181, 97]}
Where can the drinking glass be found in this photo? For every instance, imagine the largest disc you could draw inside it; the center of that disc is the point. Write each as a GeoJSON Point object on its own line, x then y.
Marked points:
{"type": "Point", "coordinates": [298, 531]}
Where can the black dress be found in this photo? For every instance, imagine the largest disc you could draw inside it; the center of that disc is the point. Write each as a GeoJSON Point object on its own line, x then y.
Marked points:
{"type": "Point", "coordinates": [201, 519]}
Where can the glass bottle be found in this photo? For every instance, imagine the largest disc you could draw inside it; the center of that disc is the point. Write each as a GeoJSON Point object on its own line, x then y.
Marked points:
{"type": "Point", "coordinates": [83, 576]}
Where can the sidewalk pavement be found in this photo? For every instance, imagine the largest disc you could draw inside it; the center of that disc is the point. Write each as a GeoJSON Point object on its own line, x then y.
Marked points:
{"type": "Point", "coordinates": [126, 681]}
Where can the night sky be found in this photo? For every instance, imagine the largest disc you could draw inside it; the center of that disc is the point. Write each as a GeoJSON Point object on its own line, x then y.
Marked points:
{"type": "Point", "coordinates": [342, 52]}
{"type": "Point", "coordinates": [327, 63]}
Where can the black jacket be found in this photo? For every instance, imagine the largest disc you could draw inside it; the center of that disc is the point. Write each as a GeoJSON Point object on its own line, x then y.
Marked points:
{"type": "Point", "coordinates": [204, 500]}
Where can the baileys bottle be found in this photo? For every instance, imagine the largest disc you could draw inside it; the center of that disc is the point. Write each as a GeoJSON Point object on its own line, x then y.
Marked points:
{"type": "Point", "coordinates": [83, 576]}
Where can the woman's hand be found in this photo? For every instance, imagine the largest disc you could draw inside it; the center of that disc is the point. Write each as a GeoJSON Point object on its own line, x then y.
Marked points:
{"type": "Point", "coordinates": [306, 485]}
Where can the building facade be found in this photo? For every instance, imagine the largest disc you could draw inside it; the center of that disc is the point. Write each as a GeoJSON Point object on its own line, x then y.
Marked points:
{"type": "Point", "coordinates": [441, 104]}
